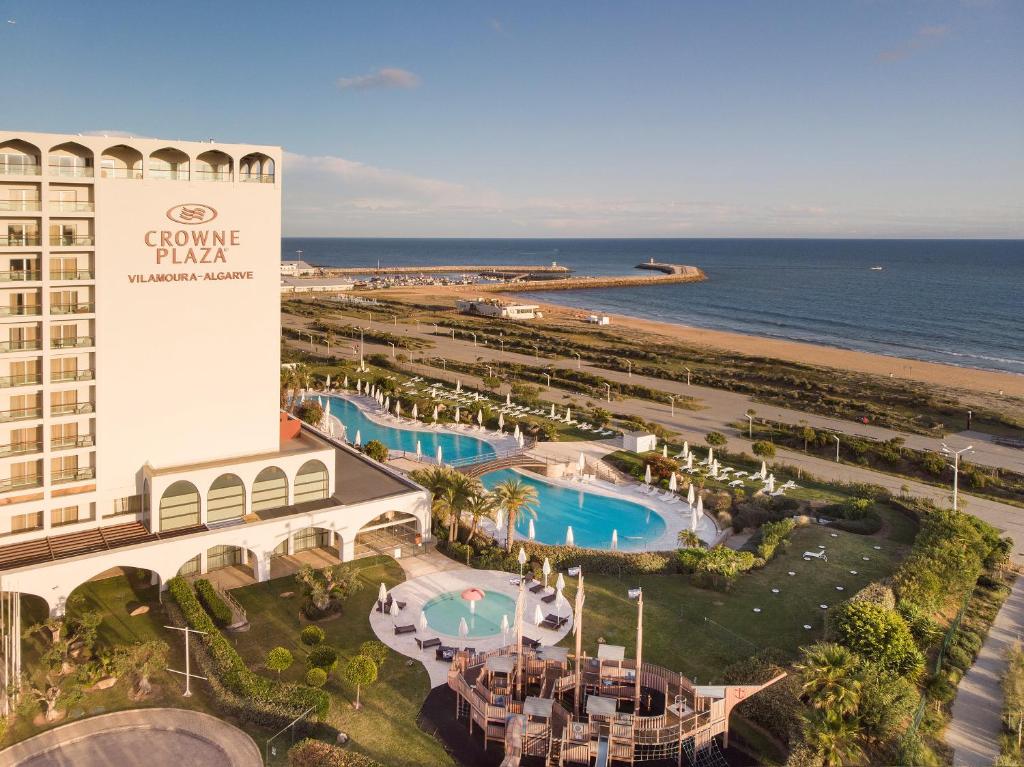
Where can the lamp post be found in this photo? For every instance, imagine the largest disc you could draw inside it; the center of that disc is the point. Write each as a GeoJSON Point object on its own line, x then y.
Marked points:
{"type": "Point", "coordinates": [579, 360]}
{"type": "Point", "coordinates": [750, 426]}
{"type": "Point", "coordinates": [688, 371]}
{"type": "Point", "coordinates": [639, 642]}
{"type": "Point", "coordinates": [836, 438]}
{"type": "Point", "coordinates": [672, 404]}
{"type": "Point", "coordinates": [474, 337]}
{"type": "Point", "coordinates": [435, 327]}
{"type": "Point", "coordinates": [536, 356]}
{"type": "Point", "coordinates": [956, 468]}
{"type": "Point", "coordinates": [453, 334]}
{"type": "Point", "coordinates": [369, 318]}
{"type": "Point", "coordinates": [501, 340]}
{"type": "Point", "coordinates": [629, 364]}
{"type": "Point", "coordinates": [392, 349]}
{"type": "Point", "coordinates": [444, 364]}
{"type": "Point", "coordinates": [549, 379]}
{"type": "Point", "coordinates": [608, 387]}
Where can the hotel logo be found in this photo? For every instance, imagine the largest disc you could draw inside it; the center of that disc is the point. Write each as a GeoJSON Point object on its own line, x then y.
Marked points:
{"type": "Point", "coordinates": [192, 213]}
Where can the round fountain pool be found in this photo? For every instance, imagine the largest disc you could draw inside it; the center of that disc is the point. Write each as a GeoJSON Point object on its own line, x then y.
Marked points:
{"type": "Point", "coordinates": [446, 610]}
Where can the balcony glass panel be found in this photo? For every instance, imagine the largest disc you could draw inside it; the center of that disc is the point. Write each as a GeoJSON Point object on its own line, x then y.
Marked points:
{"type": "Point", "coordinates": [19, 311]}
{"type": "Point", "coordinates": [73, 274]}
{"type": "Point", "coordinates": [71, 206]}
{"type": "Point", "coordinates": [20, 275]}
{"type": "Point", "coordinates": [71, 171]}
{"type": "Point", "coordinates": [20, 448]}
{"type": "Point", "coordinates": [7, 205]}
{"type": "Point", "coordinates": [85, 308]}
{"type": "Point", "coordinates": [16, 483]}
{"type": "Point", "coordinates": [21, 414]}
{"type": "Point", "coordinates": [59, 376]}
{"type": "Point", "coordinates": [31, 379]}
{"type": "Point", "coordinates": [19, 240]}
{"type": "Point", "coordinates": [67, 408]}
{"type": "Point", "coordinates": [71, 343]}
{"type": "Point", "coordinates": [30, 344]}
{"type": "Point", "coordinates": [72, 475]}
{"type": "Point", "coordinates": [120, 173]}
{"type": "Point", "coordinates": [68, 443]}
{"type": "Point", "coordinates": [69, 240]}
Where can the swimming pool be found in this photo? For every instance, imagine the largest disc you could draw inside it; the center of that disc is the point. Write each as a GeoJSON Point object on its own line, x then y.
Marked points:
{"type": "Point", "coordinates": [593, 517]}
{"type": "Point", "coordinates": [453, 446]}
{"type": "Point", "coordinates": [446, 610]}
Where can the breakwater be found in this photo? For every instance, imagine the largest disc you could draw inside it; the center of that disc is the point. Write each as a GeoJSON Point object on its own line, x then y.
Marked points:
{"type": "Point", "coordinates": [514, 269]}
{"type": "Point", "coordinates": [681, 274]}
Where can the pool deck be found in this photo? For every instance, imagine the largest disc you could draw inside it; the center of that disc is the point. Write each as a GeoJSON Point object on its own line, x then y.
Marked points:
{"type": "Point", "coordinates": [419, 590]}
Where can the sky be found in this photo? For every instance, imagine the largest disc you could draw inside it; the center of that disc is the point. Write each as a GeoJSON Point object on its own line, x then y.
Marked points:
{"type": "Point", "coordinates": [844, 118]}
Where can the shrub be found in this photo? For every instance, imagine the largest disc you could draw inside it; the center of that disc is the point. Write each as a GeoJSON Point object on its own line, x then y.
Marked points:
{"type": "Point", "coordinates": [376, 450]}
{"type": "Point", "coordinates": [776, 708]}
{"type": "Point", "coordinates": [212, 603]}
{"type": "Point", "coordinates": [773, 534]}
{"type": "Point", "coordinates": [375, 651]}
{"type": "Point", "coordinates": [877, 633]}
{"type": "Point", "coordinates": [279, 659]}
{"type": "Point", "coordinates": [316, 753]}
{"type": "Point", "coordinates": [716, 568]}
{"type": "Point", "coordinates": [877, 593]}
{"type": "Point", "coordinates": [312, 635]}
{"type": "Point", "coordinates": [763, 449]}
{"type": "Point", "coordinates": [322, 656]}
{"type": "Point", "coordinates": [360, 671]}
{"type": "Point", "coordinates": [316, 677]}
{"type": "Point", "coordinates": [311, 412]}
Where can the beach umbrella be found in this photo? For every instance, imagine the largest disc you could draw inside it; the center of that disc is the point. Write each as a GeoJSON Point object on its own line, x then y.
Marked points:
{"type": "Point", "coordinates": [552, 409]}
{"type": "Point", "coordinates": [508, 398]}
{"type": "Point", "coordinates": [458, 384]}
{"type": "Point", "coordinates": [689, 460]}
{"type": "Point", "coordinates": [770, 485]}
{"type": "Point", "coordinates": [711, 455]}
{"type": "Point", "coordinates": [458, 415]}
{"type": "Point", "coordinates": [440, 456]}
{"type": "Point", "coordinates": [387, 403]}
{"type": "Point", "coordinates": [499, 518]}
{"type": "Point", "coordinates": [320, 401]}
{"type": "Point", "coordinates": [686, 449]}
{"type": "Point", "coordinates": [345, 383]}
{"type": "Point", "coordinates": [382, 593]}
{"type": "Point", "coordinates": [559, 582]}
{"type": "Point", "coordinates": [568, 414]}
{"type": "Point", "coordinates": [463, 628]}
{"type": "Point", "coordinates": [582, 463]}
{"type": "Point", "coordinates": [328, 383]}
{"type": "Point", "coordinates": [504, 626]}
{"type": "Point", "coordinates": [764, 470]}
{"type": "Point", "coordinates": [700, 506]}
{"type": "Point", "coordinates": [538, 616]}
{"type": "Point", "coordinates": [395, 610]}
{"type": "Point", "coordinates": [615, 539]}
{"type": "Point", "coordinates": [419, 450]}
{"type": "Point", "coordinates": [423, 621]}
{"type": "Point", "coordinates": [434, 416]}
{"type": "Point", "coordinates": [501, 421]}
{"type": "Point", "coordinates": [694, 518]}
{"type": "Point", "coordinates": [531, 531]}
{"type": "Point", "coordinates": [515, 434]}
{"type": "Point", "coordinates": [359, 386]}
{"type": "Point", "coordinates": [690, 496]}
{"type": "Point", "coordinates": [546, 569]}
{"type": "Point", "coordinates": [569, 539]}
{"type": "Point", "coordinates": [673, 484]}
{"type": "Point", "coordinates": [480, 417]}
{"type": "Point", "coordinates": [647, 474]}
{"type": "Point", "coordinates": [415, 411]}
{"type": "Point", "coordinates": [664, 450]}
{"type": "Point", "coordinates": [521, 440]}
{"type": "Point", "coordinates": [398, 409]}
{"type": "Point", "coordinates": [359, 438]}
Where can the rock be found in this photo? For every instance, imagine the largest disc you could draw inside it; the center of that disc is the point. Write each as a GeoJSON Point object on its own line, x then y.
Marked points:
{"type": "Point", "coordinates": [287, 594]}
{"type": "Point", "coordinates": [342, 738]}
{"type": "Point", "coordinates": [140, 610]}
{"type": "Point", "coordinates": [106, 683]}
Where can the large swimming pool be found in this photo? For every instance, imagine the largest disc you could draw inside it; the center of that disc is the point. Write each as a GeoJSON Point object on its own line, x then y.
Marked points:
{"type": "Point", "coordinates": [593, 517]}
{"type": "Point", "coordinates": [453, 446]}
{"type": "Point", "coordinates": [445, 611]}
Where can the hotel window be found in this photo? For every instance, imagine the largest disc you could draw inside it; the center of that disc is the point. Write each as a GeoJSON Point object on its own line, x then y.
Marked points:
{"type": "Point", "coordinates": [24, 441]}
{"type": "Point", "coordinates": [22, 338]}
{"type": "Point", "coordinates": [25, 474]}
{"type": "Point", "coordinates": [22, 269]}
{"type": "Point", "coordinates": [63, 234]}
{"type": "Point", "coordinates": [25, 406]}
{"type": "Point", "coordinates": [63, 516]}
{"type": "Point", "coordinates": [11, 163]}
{"type": "Point", "coordinates": [23, 372]}
{"type": "Point", "coordinates": [64, 199]}
{"type": "Point", "coordinates": [63, 435]}
{"type": "Point", "coordinates": [21, 234]}
{"type": "Point", "coordinates": [64, 336]}
{"type": "Point", "coordinates": [23, 199]}
{"type": "Point", "coordinates": [64, 369]}
{"type": "Point", "coordinates": [21, 523]}
{"type": "Point", "coordinates": [64, 468]}
{"type": "Point", "coordinates": [63, 301]}
{"type": "Point", "coordinates": [22, 304]}
{"type": "Point", "coordinates": [69, 165]}
{"type": "Point", "coordinates": [65, 402]}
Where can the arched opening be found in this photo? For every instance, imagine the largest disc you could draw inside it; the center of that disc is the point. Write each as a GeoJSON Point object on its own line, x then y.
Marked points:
{"type": "Point", "coordinates": [312, 538]}
{"type": "Point", "coordinates": [270, 490]}
{"type": "Point", "coordinates": [212, 166]}
{"type": "Point", "coordinates": [225, 499]}
{"type": "Point", "coordinates": [71, 160]}
{"type": "Point", "coordinates": [121, 161]}
{"type": "Point", "coordinates": [19, 158]}
{"type": "Point", "coordinates": [394, 534]}
{"type": "Point", "coordinates": [311, 482]}
{"type": "Point", "coordinates": [179, 506]}
{"type": "Point", "coordinates": [168, 163]}
{"type": "Point", "coordinates": [256, 167]}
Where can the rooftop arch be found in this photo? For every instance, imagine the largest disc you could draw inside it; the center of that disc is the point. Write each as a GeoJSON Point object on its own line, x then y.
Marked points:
{"type": "Point", "coordinates": [256, 167]}
{"type": "Point", "coordinates": [121, 161]}
{"type": "Point", "coordinates": [19, 158]}
{"type": "Point", "coordinates": [213, 165]}
{"type": "Point", "coordinates": [169, 163]}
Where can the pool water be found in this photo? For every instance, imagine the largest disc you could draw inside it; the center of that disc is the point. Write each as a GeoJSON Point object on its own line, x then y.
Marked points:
{"type": "Point", "coordinates": [592, 516]}
{"type": "Point", "coordinates": [453, 446]}
{"type": "Point", "coordinates": [446, 610]}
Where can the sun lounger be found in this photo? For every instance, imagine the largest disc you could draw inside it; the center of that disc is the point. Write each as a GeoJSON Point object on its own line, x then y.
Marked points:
{"type": "Point", "coordinates": [531, 643]}
{"type": "Point", "coordinates": [553, 622]}
{"type": "Point", "coordinates": [816, 554]}
{"type": "Point", "coordinates": [537, 589]}
{"type": "Point", "coordinates": [549, 598]}
{"type": "Point", "coordinates": [407, 629]}
{"type": "Point", "coordinates": [427, 643]}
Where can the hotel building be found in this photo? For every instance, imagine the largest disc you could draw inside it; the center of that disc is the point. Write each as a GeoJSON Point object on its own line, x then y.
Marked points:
{"type": "Point", "coordinates": [140, 421]}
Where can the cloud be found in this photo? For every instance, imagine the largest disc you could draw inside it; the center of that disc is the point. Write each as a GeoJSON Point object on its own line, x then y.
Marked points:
{"type": "Point", "coordinates": [387, 77]}
{"type": "Point", "coordinates": [930, 34]}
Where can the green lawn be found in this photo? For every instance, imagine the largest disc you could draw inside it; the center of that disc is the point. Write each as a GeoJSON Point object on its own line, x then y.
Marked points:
{"type": "Point", "coordinates": [385, 728]}
{"type": "Point", "coordinates": [699, 631]}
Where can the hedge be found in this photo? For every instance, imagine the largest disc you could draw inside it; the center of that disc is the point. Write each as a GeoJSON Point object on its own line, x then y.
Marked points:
{"type": "Point", "coordinates": [773, 534]}
{"type": "Point", "coordinates": [316, 753]}
{"type": "Point", "coordinates": [212, 603]}
{"type": "Point", "coordinates": [255, 698]}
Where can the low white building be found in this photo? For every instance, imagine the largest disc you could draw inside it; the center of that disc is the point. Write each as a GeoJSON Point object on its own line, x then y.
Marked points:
{"type": "Point", "coordinates": [639, 441]}
{"type": "Point", "coordinates": [296, 268]}
{"type": "Point", "coordinates": [602, 319]}
{"type": "Point", "coordinates": [491, 307]}
{"type": "Point", "coordinates": [315, 284]}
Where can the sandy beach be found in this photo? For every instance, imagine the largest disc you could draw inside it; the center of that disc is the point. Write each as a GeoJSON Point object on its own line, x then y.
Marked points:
{"type": "Point", "coordinates": [969, 379]}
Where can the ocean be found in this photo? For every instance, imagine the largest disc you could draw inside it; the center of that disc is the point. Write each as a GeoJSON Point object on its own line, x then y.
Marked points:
{"type": "Point", "coordinates": [959, 302]}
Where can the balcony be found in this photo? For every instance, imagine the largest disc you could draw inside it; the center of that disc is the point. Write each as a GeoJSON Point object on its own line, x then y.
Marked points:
{"type": "Point", "coordinates": [73, 274]}
{"type": "Point", "coordinates": [20, 483]}
{"type": "Point", "coordinates": [120, 173]}
{"type": "Point", "coordinates": [84, 308]}
{"type": "Point", "coordinates": [72, 475]}
{"type": "Point", "coordinates": [72, 408]}
{"type": "Point", "coordinates": [31, 379]}
{"type": "Point", "coordinates": [70, 443]}
{"type": "Point", "coordinates": [211, 175]}
{"type": "Point", "coordinates": [20, 448]}
{"type": "Point", "coordinates": [62, 376]}
{"type": "Point", "coordinates": [257, 178]}
{"type": "Point", "coordinates": [22, 345]}
{"type": "Point", "coordinates": [21, 414]}
{"type": "Point", "coordinates": [70, 240]}
{"type": "Point", "coordinates": [20, 275]}
{"type": "Point", "coordinates": [71, 206]}
{"type": "Point", "coordinates": [71, 343]}
{"type": "Point", "coordinates": [19, 205]}
{"type": "Point", "coordinates": [20, 311]}
{"type": "Point", "coordinates": [21, 169]}
{"type": "Point", "coordinates": [169, 173]}
{"type": "Point", "coordinates": [71, 171]}
{"type": "Point", "coordinates": [19, 240]}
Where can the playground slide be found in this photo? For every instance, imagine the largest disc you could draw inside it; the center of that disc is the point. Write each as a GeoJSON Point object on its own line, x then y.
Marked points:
{"type": "Point", "coordinates": [602, 752]}
{"type": "Point", "coordinates": [515, 725]}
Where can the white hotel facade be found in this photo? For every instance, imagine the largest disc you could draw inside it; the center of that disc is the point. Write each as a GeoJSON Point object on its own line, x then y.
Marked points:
{"type": "Point", "coordinates": [140, 375]}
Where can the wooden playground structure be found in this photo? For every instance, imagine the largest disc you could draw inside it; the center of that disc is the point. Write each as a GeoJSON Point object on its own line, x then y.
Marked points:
{"type": "Point", "coordinates": [548, 706]}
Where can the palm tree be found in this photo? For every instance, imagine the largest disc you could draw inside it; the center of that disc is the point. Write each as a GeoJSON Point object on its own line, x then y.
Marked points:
{"type": "Point", "coordinates": [688, 539]}
{"type": "Point", "coordinates": [301, 377]}
{"type": "Point", "coordinates": [479, 506]}
{"type": "Point", "coordinates": [835, 739]}
{"type": "Point", "coordinates": [516, 497]}
{"type": "Point", "coordinates": [451, 491]}
{"type": "Point", "coordinates": [287, 375]}
{"type": "Point", "coordinates": [830, 678]}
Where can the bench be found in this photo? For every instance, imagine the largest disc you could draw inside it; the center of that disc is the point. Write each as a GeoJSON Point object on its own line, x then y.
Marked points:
{"type": "Point", "coordinates": [427, 643]}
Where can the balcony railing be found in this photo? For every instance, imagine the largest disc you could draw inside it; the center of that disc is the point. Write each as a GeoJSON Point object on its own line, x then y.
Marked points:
{"type": "Point", "coordinates": [72, 274]}
{"type": "Point", "coordinates": [120, 173]}
{"type": "Point", "coordinates": [79, 440]}
{"type": "Point", "coordinates": [72, 475]}
{"type": "Point", "coordinates": [72, 408]}
{"type": "Point", "coordinates": [21, 345]}
{"type": "Point", "coordinates": [61, 376]}
{"type": "Point", "coordinates": [211, 175]}
{"type": "Point", "coordinates": [29, 379]}
{"type": "Point", "coordinates": [84, 308]}
{"type": "Point", "coordinates": [69, 240]}
{"type": "Point", "coordinates": [72, 206]}
{"type": "Point", "coordinates": [21, 414]}
{"type": "Point", "coordinates": [20, 169]}
{"type": "Point", "coordinates": [19, 240]}
{"type": "Point", "coordinates": [20, 311]}
{"type": "Point", "coordinates": [20, 275]}
{"type": "Point", "coordinates": [69, 443]}
{"type": "Point", "coordinates": [17, 483]}
{"type": "Point", "coordinates": [71, 171]}
{"type": "Point", "coordinates": [257, 178]}
{"type": "Point", "coordinates": [71, 343]}
{"type": "Point", "coordinates": [7, 205]}
{"type": "Point", "coordinates": [171, 173]}
{"type": "Point", "coordinates": [20, 448]}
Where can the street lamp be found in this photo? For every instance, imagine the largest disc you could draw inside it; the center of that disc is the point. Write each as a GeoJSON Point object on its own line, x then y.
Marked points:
{"type": "Point", "coordinates": [392, 349]}
{"type": "Point", "coordinates": [369, 318]}
{"type": "Point", "coordinates": [836, 438]}
{"type": "Point", "coordinates": [549, 379]}
{"type": "Point", "coordinates": [536, 354]}
{"type": "Point", "coordinates": [501, 340]}
{"type": "Point", "coordinates": [453, 334]}
{"type": "Point", "coordinates": [444, 364]}
{"type": "Point", "coordinates": [629, 363]}
{"type": "Point", "coordinates": [608, 387]}
{"type": "Point", "coordinates": [435, 327]}
{"type": "Point", "coordinates": [361, 365]}
{"type": "Point", "coordinates": [956, 468]}
{"type": "Point", "coordinates": [750, 426]}
{"type": "Point", "coordinates": [688, 371]}
{"type": "Point", "coordinates": [579, 359]}
{"type": "Point", "coordinates": [672, 403]}
{"type": "Point", "coordinates": [474, 338]}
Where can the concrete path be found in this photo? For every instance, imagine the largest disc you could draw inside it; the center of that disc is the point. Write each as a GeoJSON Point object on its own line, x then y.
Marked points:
{"type": "Point", "coordinates": [974, 728]}
{"type": "Point", "coordinates": [155, 737]}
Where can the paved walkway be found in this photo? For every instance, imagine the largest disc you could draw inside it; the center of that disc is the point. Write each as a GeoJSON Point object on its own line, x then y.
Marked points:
{"type": "Point", "coordinates": [156, 737]}
{"type": "Point", "coordinates": [974, 728]}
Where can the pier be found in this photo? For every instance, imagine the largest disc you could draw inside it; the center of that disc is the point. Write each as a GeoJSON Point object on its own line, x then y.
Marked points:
{"type": "Point", "coordinates": [490, 270]}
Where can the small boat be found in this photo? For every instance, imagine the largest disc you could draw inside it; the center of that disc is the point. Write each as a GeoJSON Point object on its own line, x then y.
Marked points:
{"type": "Point", "coordinates": [876, 268]}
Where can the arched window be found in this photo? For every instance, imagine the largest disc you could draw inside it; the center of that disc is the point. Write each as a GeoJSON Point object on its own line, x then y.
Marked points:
{"type": "Point", "coordinates": [311, 538]}
{"type": "Point", "coordinates": [256, 167]}
{"type": "Point", "coordinates": [212, 166]}
{"type": "Point", "coordinates": [179, 506]}
{"type": "Point", "coordinates": [71, 160]}
{"type": "Point", "coordinates": [19, 158]}
{"type": "Point", "coordinates": [311, 482]}
{"type": "Point", "coordinates": [168, 163]}
{"type": "Point", "coordinates": [218, 557]}
{"type": "Point", "coordinates": [270, 490]}
{"type": "Point", "coordinates": [121, 161]}
{"type": "Point", "coordinates": [226, 499]}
